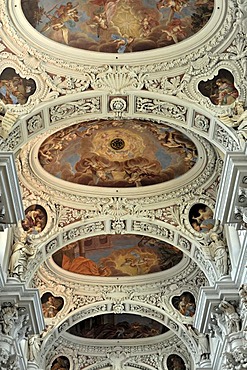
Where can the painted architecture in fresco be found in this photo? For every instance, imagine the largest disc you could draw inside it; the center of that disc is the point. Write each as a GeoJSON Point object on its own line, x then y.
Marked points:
{"type": "Point", "coordinates": [14, 89]}
{"type": "Point", "coordinates": [118, 153]}
{"type": "Point", "coordinates": [118, 26]}
{"type": "Point", "coordinates": [118, 255]}
{"type": "Point", "coordinates": [113, 326]}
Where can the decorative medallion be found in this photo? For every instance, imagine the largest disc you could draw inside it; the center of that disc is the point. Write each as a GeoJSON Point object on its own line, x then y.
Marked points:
{"type": "Point", "coordinates": [175, 362]}
{"type": "Point", "coordinates": [220, 90]}
{"type": "Point", "coordinates": [185, 304]}
{"type": "Point", "coordinates": [117, 143]}
{"type": "Point", "coordinates": [51, 305]}
{"type": "Point", "coordinates": [35, 219]}
{"type": "Point", "coordinates": [201, 218]}
{"type": "Point", "coordinates": [61, 363]}
{"type": "Point", "coordinates": [14, 89]}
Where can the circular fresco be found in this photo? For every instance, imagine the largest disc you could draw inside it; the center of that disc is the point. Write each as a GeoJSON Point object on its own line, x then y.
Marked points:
{"type": "Point", "coordinates": [119, 153]}
{"type": "Point", "coordinates": [117, 255]}
{"type": "Point", "coordinates": [118, 26]}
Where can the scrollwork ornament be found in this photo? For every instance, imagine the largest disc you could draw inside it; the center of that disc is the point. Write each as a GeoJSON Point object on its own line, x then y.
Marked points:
{"type": "Point", "coordinates": [118, 80]}
{"type": "Point", "coordinates": [15, 138]}
{"type": "Point", "coordinates": [51, 245]}
{"type": "Point", "coordinates": [236, 359]}
{"type": "Point", "coordinates": [75, 108]}
{"type": "Point", "coordinates": [35, 123]}
{"type": "Point", "coordinates": [4, 357]}
{"type": "Point", "coordinates": [155, 106]}
{"type": "Point", "coordinates": [63, 327]}
{"type": "Point", "coordinates": [202, 122]}
{"type": "Point", "coordinates": [184, 243]}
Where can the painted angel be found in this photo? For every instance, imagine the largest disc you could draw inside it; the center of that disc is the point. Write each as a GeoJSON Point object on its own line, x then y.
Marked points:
{"type": "Point", "coordinates": [122, 42]}
{"type": "Point", "coordinates": [174, 5]}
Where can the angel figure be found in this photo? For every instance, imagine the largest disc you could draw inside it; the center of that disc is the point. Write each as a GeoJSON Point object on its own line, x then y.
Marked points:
{"type": "Point", "coordinates": [57, 24]}
{"type": "Point", "coordinates": [109, 8]}
{"type": "Point", "coordinates": [122, 42]}
{"type": "Point", "coordinates": [237, 116]}
{"type": "Point", "coordinates": [64, 14]}
{"type": "Point", "coordinates": [34, 344]}
{"type": "Point", "coordinates": [99, 22]}
{"type": "Point", "coordinates": [174, 5]}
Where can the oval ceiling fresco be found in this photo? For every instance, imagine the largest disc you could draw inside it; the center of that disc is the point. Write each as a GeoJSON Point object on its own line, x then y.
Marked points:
{"type": "Point", "coordinates": [113, 326]}
{"type": "Point", "coordinates": [117, 153]}
{"type": "Point", "coordinates": [118, 26]}
{"type": "Point", "coordinates": [117, 255]}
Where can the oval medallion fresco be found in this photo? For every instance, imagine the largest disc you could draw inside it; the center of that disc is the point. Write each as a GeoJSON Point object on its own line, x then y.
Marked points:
{"type": "Point", "coordinates": [35, 219]}
{"type": "Point", "coordinates": [113, 326]}
{"type": "Point", "coordinates": [117, 255]}
{"type": "Point", "coordinates": [117, 153]}
{"type": "Point", "coordinates": [118, 26]}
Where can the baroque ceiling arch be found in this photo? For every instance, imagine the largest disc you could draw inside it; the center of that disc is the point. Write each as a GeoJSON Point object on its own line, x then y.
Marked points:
{"type": "Point", "coordinates": [193, 249]}
{"type": "Point", "coordinates": [152, 105]}
{"type": "Point", "coordinates": [132, 307]}
{"type": "Point", "coordinates": [143, 361]}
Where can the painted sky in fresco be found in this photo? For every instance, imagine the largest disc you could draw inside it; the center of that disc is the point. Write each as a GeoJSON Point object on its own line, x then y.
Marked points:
{"type": "Point", "coordinates": [125, 153]}
{"type": "Point", "coordinates": [118, 26]}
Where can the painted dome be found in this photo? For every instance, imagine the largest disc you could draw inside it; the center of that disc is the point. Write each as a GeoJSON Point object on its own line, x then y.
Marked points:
{"type": "Point", "coordinates": [119, 26]}
{"type": "Point", "coordinates": [127, 153]}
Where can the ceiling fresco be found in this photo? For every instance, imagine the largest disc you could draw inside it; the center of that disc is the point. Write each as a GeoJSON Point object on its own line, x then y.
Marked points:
{"type": "Point", "coordinates": [14, 89]}
{"type": "Point", "coordinates": [118, 255]}
{"type": "Point", "coordinates": [112, 326]}
{"type": "Point", "coordinates": [125, 153]}
{"type": "Point", "coordinates": [118, 26]}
